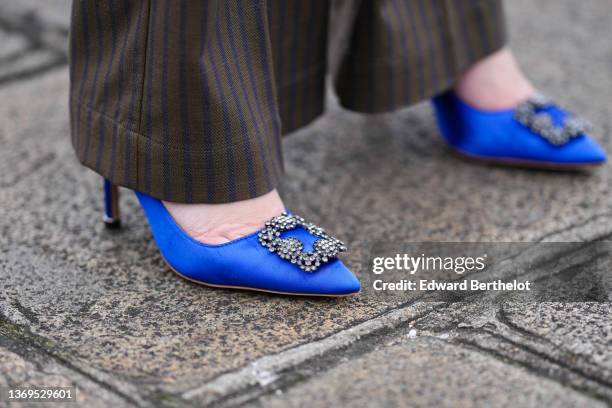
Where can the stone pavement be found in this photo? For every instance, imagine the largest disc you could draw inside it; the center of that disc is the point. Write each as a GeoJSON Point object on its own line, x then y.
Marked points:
{"type": "Point", "coordinates": [83, 305]}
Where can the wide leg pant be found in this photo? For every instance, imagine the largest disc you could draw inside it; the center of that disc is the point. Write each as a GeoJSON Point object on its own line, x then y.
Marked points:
{"type": "Point", "coordinates": [186, 100]}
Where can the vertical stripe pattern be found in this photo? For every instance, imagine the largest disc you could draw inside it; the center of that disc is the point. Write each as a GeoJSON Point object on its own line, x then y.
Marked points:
{"type": "Point", "coordinates": [187, 100]}
{"type": "Point", "coordinates": [208, 182]}
{"type": "Point", "coordinates": [420, 48]}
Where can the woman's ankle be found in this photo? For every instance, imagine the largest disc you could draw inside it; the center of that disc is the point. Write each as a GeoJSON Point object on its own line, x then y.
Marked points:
{"type": "Point", "coordinates": [221, 223]}
{"type": "Point", "coordinates": [494, 83]}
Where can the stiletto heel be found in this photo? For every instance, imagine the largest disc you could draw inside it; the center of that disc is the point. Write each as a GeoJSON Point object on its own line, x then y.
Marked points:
{"type": "Point", "coordinates": [111, 217]}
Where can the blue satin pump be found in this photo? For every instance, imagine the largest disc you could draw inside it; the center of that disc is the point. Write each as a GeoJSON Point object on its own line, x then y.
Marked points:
{"type": "Point", "coordinates": [537, 133]}
{"type": "Point", "coordinates": [243, 263]}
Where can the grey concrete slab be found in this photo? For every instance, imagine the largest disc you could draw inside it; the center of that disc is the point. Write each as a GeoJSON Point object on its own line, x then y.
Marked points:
{"type": "Point", "coordinates": [580, 333]}
{"type": "Point", "coordinates": [426, 372]}
{"type": "Point", "coordinates": [11, 45]}
{"type": "Point", "coordinates": [21, 374]}
{"type": "Point", "coordinates": [33, 37]}
{"type": "Point", "coordinates": [51, 12]}
{"type": "Point", "coordinates": [565, 342]}
{"type": "Point", "coordinates": [18, 373]}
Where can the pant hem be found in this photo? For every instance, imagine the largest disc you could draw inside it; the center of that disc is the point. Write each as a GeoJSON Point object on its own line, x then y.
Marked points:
{"type": "Point", "coordinates": [132, 160]}
{"type": "Point", "coordinates": [441, 85]}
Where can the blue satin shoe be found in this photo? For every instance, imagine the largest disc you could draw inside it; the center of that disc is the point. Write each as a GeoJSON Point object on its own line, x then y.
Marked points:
{"type": "Point", "coordinates": [288, 256]}
{"type": "Point", "coordinates": [537, 133]}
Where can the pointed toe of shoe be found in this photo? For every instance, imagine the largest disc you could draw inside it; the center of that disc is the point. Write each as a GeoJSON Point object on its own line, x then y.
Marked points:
{"type": "Point", "coordinates": [347, 283]}
{"type": "Point", "coordinates": [582, 151]}
{"type": "Point", "coordinates": [334, 279]}
{"type": "Point", "coordinates": [585, 150]}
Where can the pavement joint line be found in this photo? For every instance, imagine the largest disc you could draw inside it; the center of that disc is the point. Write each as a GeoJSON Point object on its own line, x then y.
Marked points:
{"type": "Point", "coordinates": [532, 345]}
{"type": "Point", "coordinates": [248, 375]}
{"type": "Point", "coordinates": [268, 369]}
{"type": "Point", "coordinates": [531, 339]}
{"type": "Point", "coordinates": [31, 27]}
{"type": "Point", "coordinates": [16, 54]}
{"type": "Point", "coordinates": [34, 30]}
{"type": "Point", "coordinates": [33, 170]}
{"type": "Point", "coordinates": [525, 342]}
{"type": "Point", "coordinates": [556, 371]}
{"type": "Point", "coordinates": [14, 337]}
{"type": "Point", "coordinates": [58, 61]}
{"type": "Point", "coordinates": [589, 224]}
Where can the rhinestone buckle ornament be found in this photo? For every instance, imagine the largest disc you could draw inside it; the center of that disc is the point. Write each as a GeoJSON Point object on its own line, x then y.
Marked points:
{"type": "Point", "coordinates": [529, 113]}
{"type": "Point", "coordinates": [291, 249]}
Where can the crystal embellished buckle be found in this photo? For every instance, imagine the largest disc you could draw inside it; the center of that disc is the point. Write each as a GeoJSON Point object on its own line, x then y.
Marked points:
{"type": "Point", "coordinates": [529, 113]}
{"type": "Point", "coordinates": [291, 249]}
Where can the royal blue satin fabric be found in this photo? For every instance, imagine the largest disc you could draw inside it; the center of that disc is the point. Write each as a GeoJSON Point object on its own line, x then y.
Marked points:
{"type": "Point", "coordinates": [497, 135]}
{"type": "Point", "coordinates": [243, 262]}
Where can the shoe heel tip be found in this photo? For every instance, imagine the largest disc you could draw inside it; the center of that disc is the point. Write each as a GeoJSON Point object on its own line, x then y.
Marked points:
{"type": "Point", "coordinates": [112, 223]}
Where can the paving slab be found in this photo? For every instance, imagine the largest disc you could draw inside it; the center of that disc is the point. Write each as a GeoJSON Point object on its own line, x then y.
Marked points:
{"type": "Point", "coordinates": [36, 372]}
{"type": "Point", "coordinates": [565, 342]}
{"type": "Point", "coordinates": [427, 372]}
{"type": "Point", "coordinates": [54, 13]}
{"type": "Point", "coordinates": [575, 332]}
{"type": "Point", "coordinates": [107, 302]}
{"type": "Point", "coordinates": [33, 37]}
{"type": "Point", "coordinates": [21, 374]}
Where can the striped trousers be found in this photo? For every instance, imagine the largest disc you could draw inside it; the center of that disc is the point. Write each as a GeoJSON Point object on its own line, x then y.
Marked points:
{"type": "Point", "coordinates": [187, 100]}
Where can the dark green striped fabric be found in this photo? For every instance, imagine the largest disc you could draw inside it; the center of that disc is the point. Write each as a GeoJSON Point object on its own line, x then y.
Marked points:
{"type": "Point", "coordinates": [187, 100]}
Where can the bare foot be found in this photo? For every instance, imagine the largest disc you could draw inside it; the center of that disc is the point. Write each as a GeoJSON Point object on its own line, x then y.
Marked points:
{"type": "Point", "coordinates": [221, 223]}
{"type": "Point", "coordinates": [494, 83]}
